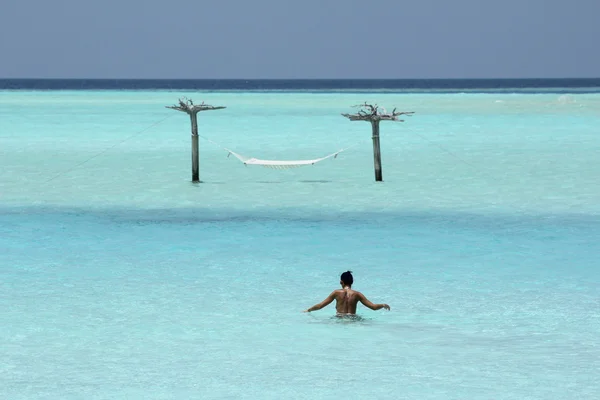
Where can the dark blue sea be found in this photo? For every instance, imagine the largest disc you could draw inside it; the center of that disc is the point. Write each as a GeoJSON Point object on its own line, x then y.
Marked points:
{"type": "Point", "coordinates": [561, 85]}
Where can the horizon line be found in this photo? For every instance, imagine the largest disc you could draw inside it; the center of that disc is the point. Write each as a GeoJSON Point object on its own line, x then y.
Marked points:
{"type": "Point", "coordinates": [302, 79]}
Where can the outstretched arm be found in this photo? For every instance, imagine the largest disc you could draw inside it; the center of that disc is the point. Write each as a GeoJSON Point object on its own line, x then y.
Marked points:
{"type": "Point", "coordinates": [322, 304]}
{"type": "Point", "coordinates": [372, 306]}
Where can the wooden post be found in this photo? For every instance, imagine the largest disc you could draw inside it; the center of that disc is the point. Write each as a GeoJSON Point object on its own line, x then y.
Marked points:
{"type": "Point", "coordinates": [192, 110]}
{"type": "Point", "coordinates": [371, 113]}
{"type": "Point", "coordinates": [376, 151]}
{"type": "Point", "coordinates": [195, 149]}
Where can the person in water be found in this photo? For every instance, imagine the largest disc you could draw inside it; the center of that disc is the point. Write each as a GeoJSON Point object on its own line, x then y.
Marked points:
{"type": "Point", "coordinates": [346, 298]}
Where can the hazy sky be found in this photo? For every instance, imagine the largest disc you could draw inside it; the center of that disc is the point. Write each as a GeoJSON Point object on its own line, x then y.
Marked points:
{"type": "Point", "coordinates": [300, 39]}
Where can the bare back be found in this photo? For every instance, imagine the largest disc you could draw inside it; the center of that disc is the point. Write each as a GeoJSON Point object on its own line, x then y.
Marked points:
{"type": "Point", "coordinates": [346, 301]}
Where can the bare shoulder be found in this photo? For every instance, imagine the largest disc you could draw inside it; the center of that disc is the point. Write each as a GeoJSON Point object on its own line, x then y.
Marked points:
{"type": "Point", "coordinates": [360, 296]}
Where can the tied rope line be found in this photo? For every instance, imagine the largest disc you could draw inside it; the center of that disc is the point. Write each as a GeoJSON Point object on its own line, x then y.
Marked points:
{"type": "Point", "coordinates": [478, 168]}
{"type": "Point", "coordinates": [441, 148]}
{"type": "Point", "coordinates": [108, 149]}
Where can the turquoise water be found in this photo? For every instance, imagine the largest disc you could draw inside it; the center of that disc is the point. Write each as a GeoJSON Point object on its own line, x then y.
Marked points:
{"type": "Point", "coordinates": [121, 279]}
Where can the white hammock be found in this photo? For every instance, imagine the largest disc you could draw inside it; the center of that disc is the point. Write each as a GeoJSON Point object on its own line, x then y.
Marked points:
{"type": "Point", "coordinates": [276, 164]}
{"type": "Point", "coordinates": [280, 164]}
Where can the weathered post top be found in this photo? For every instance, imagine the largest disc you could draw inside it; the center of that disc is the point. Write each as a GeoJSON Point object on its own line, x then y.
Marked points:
{"type": "Point", "coordinates": [189, 107]}
{"type": "Point", "coordinates": [369, 112]}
